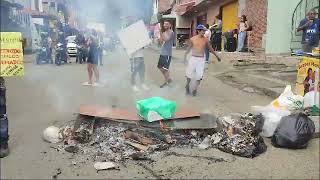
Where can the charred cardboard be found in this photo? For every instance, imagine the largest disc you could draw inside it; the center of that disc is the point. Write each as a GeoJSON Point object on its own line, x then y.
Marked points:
{"type": "Point", "coordinates": [206, 121]}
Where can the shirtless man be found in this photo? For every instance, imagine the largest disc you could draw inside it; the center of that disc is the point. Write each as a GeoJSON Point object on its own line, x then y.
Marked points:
{"type": "Point", "coordinates": [196, 64]}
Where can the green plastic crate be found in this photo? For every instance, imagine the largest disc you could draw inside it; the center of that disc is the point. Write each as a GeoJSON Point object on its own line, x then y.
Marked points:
{"type": "Point", "coordinates": [156, 108]}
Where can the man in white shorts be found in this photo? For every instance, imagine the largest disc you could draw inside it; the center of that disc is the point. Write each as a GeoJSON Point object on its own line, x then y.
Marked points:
{"type": "Point", "coordinates": [195, 68]}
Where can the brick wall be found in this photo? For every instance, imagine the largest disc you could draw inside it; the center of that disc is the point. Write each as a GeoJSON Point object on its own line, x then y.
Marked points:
{"type": "Point", "coordinates": [256, 12]}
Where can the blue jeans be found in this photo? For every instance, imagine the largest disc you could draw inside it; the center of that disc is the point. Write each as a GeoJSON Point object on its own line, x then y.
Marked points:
{"type": "Point", "coordinates": [241, 38]}
{"type": "Point", "coordinates": [207, 53]}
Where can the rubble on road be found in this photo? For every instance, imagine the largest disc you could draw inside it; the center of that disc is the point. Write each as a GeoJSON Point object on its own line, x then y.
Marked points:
{"type": "Point", "coordinates": [244, 139]}
{"type": "Point", "coordinates": [105, 166]}
{"type": "Point", "coordinates": [100, 140]}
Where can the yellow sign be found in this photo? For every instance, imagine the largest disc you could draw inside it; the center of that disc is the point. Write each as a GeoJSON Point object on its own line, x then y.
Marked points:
{"type": "Point", "coordinates": [306, 75]}
{"type": "Point", "coordinates": [11, 61]}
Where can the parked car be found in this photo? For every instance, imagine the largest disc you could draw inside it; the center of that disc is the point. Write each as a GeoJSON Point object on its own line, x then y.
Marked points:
{"type": "Point", "coordinates": [71, 45]}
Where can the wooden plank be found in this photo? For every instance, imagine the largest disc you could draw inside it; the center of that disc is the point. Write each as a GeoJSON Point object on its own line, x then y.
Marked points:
{"type": "Point", "coordinates": [108, 113]}
{"type": "Point", "coordinates": [137, 146]}
{"type": "Point", "coordinates": [123, 114]}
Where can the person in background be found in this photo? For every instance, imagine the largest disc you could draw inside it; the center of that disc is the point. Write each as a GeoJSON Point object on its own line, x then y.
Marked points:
{"type": "Point", "coordinates": [138, 67]}
{"type": "Point", "coordinates": [100, 48]}
{"type": "Point", "coordinates": [228, 35]}
{"type": "Point", "coordinates": [63, 41]}
{"type": "Point", "coordinates": [93, 59]}
{"type": "Point", "coordinates": [50, 47]}
{"type": "Point", "coordinates": [311, 31]}
{"type": "Point", "coordinates": [217, 31]}
{"type": "Point", "coordinates": [80, 41]}
{"type": "Point", "coordinates": [243, 27]}
{"type": "Point", "coordinates": [207, 35]}
{"type": "Point", "coordinates": [166, 40]}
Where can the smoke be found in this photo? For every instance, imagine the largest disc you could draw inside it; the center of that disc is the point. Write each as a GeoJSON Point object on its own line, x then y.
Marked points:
{"type": "Point", "coordinates": [112, 13]}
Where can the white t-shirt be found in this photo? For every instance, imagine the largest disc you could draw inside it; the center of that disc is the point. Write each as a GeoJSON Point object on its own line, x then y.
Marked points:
{"type": "Point", "coordinates": [138, 54]}
{"type": "Point", "coordinates": [208, 34]}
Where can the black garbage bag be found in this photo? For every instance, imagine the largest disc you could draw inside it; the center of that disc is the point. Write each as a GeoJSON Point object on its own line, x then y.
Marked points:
{"type": "Point", "coordinates": [293, 132]}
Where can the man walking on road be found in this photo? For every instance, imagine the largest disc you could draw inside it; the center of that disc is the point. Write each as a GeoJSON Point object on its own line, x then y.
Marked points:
{"type": "Point", "coordinates": [166, 39]}
{"type": "Point", "coordinates": [138, 68]}
{"type": "Point", "coordinates": [195, 68]}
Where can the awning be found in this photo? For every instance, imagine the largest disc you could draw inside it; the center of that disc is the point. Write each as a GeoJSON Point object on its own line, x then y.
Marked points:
{"type": "Point", "coordinates": [196, 7]}
{"type": "Point", "coordinates": [169, 16]}
{"type": "Point", "coordinates": [182, 8]}
{"type": "Point", "coordinates": [37, 14]}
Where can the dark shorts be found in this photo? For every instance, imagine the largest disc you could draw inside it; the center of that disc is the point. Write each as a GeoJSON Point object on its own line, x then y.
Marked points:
{"type": "Point", "coordinates": [164, 62]}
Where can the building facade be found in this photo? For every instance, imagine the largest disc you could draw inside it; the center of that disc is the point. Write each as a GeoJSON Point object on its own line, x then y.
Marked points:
{"type": "Point", "coordinates": [194, 12]}
{"type": "Point", "coordinates": [273, 22]}
{"type": "Point", "coordinates": [283, 18]}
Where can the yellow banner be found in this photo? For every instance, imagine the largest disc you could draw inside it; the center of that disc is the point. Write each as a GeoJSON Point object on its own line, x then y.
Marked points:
{"type": "Point", "coordinates": [306, 75]}
{"type": "Point", "coordinates": [11, 61]}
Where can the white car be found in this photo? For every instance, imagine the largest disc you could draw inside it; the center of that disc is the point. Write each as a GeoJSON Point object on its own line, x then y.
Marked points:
{"type": "Point", "coordinates": [71, 45]}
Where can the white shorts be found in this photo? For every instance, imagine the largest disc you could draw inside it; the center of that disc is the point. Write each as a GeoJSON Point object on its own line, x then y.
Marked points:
{"type": "Point", "coordinates": [195, 68]}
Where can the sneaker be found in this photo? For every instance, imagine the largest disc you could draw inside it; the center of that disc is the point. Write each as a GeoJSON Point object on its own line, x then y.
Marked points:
{"type": "Point", "coordinates": [166, 83]}
{"type": "Point", "coordinates": [135, 88]}
{"type": "Point", "coordinates": [145, 87]}
{"type": "Point", "coordinates": [194, 93]}
{"type": "Point", "coordinates": [87, 84]}
{"type": "Point", "coordinates": [187, 90]}
{"type": "Point", "coordinates": [163, 85]}
{"type": "Point", "coordinates": [4, 150]}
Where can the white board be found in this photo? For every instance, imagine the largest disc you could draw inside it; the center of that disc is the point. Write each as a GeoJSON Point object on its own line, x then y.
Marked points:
{"type": "Point", "coordinates": [134, 37]}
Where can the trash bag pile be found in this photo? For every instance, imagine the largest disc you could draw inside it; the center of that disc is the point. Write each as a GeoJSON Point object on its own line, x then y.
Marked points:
{"type": "Point", "coordinates": [287, 121]}
{"type": "Point", "coordinates": [241, 136]}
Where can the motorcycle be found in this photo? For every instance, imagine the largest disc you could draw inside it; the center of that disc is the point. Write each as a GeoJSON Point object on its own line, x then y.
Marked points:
{"type": "Point", "coordinates": [81, 56]}
{"type": "Point", "coordinates": [43, 55]}
{"type": "Point", "coordinates": [61, 54]}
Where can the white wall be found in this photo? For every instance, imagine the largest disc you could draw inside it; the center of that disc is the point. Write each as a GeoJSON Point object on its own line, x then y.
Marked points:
{"type": "Point", "coordinates": [278, 37]}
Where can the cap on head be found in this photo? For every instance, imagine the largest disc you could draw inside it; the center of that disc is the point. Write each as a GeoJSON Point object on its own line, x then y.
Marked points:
{"type": "Point", "coordinates": [201, 27]}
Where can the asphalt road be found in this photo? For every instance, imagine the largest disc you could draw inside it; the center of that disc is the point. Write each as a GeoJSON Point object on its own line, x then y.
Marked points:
{"type": "Point", "coordinates": [50, 95]}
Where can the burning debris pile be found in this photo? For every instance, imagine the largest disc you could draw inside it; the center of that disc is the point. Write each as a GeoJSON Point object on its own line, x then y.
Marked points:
{"type": "Point", "coordinates": [242, 136]}
{"type": "Point", "coordinates": [102, 140]}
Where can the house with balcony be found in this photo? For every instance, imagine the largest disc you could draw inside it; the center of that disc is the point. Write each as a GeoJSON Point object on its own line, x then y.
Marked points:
{"type": "Point", "coordinates": [15, 19]}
